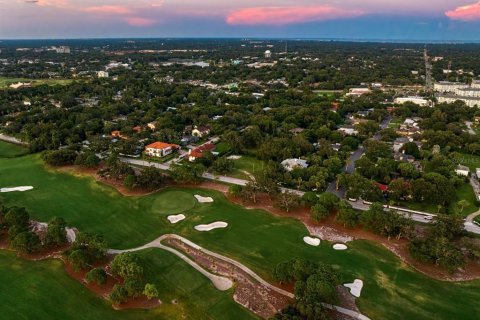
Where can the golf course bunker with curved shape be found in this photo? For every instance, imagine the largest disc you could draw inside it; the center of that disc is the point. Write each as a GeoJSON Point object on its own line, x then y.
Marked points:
{"type": "Point", "coordinates": [176, 218]}
{"type": "Point", "coordinates": [312, 241]}
{"type": "Point", "coordinates": [12, 189]}
{"type": "Point", "coordinates": [172, 202]}
{"type": "Point", "coordinates": [203, 199]}
{"type": "Point", "coordinates": [211, 226]}
{"type": "Point", "coordinates": [355, 287]}
{"type": "Point", "coordinates": [340, 246]}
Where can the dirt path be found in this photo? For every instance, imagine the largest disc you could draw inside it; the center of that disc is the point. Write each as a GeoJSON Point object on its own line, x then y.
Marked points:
{"type": "Point", "coordinates": [254, 293]}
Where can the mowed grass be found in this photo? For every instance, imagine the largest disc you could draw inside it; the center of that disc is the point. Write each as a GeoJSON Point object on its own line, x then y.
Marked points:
{"type": "Point", "coordinates": [246, 164]}
{"type": "Point", "coordinates": [172, 202]}
{"type": "Point", "coordinates": [193, 293]}
{"type": "Point", "coordinates": [468, 160]}
{"type": "Point", "coordinates": [464, 192]}
{"type": "Point", "coordinates": [6, 82]}
{"type": "Point", "coordinates": [10, 150]}
{"type": "Point", "coordinates": [42, 290]}
{"type": "Point", "coordinates": [258, 239]}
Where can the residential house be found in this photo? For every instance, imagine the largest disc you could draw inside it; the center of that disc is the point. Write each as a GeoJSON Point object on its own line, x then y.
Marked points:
{"type": "Point", "coordinates": [152, 126]}
{"type": "Point", "coordinates": [347, 131]}
{"type": "Point", "coordinates": [290, 164]}
{"type": "Point", "coordinates": [201, 131]}
{"type": "Point", "coordinates": [194, 154]}
{"type": "Point", "coordinates": [118, 134]}
{"type": "Point", "coordinates": [160, 149]}
{"type": "Point", "coordinates": [462, 170]}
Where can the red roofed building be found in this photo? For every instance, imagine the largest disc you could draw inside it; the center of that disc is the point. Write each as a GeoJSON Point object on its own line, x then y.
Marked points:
{"type": "Point", "coordinates": [160, 149]}
{"type": "Point", "coordinates": [382, 187]}
{"type": "Point", "coordinates": [196, 153]}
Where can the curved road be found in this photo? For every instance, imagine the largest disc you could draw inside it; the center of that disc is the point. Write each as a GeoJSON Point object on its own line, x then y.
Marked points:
{"type": "Point", "coordinates": [219, 282]}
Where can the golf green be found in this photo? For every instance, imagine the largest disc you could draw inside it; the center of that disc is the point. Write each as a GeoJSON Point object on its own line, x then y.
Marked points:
{"type": "Point", "coordinates": [172, 202]}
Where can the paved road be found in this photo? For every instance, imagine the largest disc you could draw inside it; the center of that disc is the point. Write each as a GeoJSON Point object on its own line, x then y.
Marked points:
{"type": "Point", "coordinates": [470, 226]}
{"type": "Point", "coordinates": [11, 139]}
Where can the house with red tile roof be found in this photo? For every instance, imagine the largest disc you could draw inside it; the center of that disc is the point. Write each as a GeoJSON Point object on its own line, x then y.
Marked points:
{"type": "Point", "coordinates": [197, 153]}
{"type": "Point", "coordinates": [160, 149]}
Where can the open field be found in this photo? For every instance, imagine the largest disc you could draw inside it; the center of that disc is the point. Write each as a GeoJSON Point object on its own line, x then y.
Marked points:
{"type": "Point", "coordinates": [5, 82]}
{"type": "Point", "coordinates": [254, 237]}
{"type": "Point", "coordinates": [10, 150]}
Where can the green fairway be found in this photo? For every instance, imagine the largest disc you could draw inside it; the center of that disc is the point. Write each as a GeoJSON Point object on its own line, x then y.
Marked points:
{"type": "Point", "coordinates": [172, 202]}
{"type": "Point", "coordinates": [256, 238]}
{"type": "Point", "coordinates": [34, 289]}
{"type": "Point", "coordinates": [10, 150]}
{"type": "Point", "coordinates": [42, 290]}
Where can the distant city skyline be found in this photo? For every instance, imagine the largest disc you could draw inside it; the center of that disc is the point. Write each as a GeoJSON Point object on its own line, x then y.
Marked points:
{"type": "Point", "coordinates": [350, 19]}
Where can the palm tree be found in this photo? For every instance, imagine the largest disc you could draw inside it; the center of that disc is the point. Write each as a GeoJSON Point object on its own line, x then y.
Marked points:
{"type": "Point", "coordinates": [462, 204]}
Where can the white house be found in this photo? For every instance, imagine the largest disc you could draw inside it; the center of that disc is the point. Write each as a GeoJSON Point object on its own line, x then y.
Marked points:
{"type": "Point", "coordinates": [462, 170]}
{"type": "Point", "coordinates": [201, 131]}
{"type": "Point", "coordinates": [160, 149]}
{"type": "Point", "coordinates": [102, 74]}
{"type": "Point", "coordinates": [290, 164]}
{"type": "Point", "coordinates": [417, 100]}
{"type": "Point", "coordinates": [348, 131]}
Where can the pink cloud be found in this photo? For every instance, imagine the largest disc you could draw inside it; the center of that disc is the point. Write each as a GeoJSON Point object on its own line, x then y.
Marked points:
{"type": "Point", "coordinates": [139, 21]}
{"type": "Point", "coordinates": [465, 13]}
{"type": "Point", "coordinates": [108, 10]}
{"type": "Point", "coordinates": [288, 15]}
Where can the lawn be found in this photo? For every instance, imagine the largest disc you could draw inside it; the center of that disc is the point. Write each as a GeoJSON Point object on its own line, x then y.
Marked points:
{"type": "Point", "coordinates": [258, 239]}
{"type": "Point", "coordinates": [246, 164]}
{"type": "Point", "coordinates": [5, 82]}
{"type": "Point", "coordinates": [10, 150]}
{"type": "Point", "coordinates": [468, 160]}
{"type": "Point", "coordinates": [464, 192]}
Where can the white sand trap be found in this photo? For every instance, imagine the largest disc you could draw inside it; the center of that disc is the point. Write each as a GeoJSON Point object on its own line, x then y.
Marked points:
{"type": "Point", "coordinates": [312, 241]}
{"type": "Point", "coordinates": [203, 199]}
{"type": "Point", "coordinates": [21, 189]}
{"type": "Point", "coordinates": [234, 157]}
{"type": "Point", "coordinates": [176, 218]}
{"type": "Point", "coordinates": [355, 287]}
{"type": "Point", "coordinates": [211, 226]}
{"type": "Point", "coordinates": [340, 246]}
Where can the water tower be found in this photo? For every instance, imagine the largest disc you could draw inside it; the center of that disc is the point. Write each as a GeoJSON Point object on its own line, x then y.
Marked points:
{"type": "Point", "coordinates": [268, 54]}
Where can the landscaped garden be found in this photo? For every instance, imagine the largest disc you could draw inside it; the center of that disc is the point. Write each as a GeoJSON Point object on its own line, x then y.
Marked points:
{"type": "Point", "coordinates": [256, 238]}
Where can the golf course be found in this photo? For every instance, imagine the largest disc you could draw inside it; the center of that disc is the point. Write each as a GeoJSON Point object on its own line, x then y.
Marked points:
{"type": "Point", "coordinates": [256, 238]}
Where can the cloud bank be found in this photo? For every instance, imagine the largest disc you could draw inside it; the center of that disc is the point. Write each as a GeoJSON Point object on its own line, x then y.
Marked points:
{"type": "Point", "coordinates": [288, 15]}
{"type": "Point", "coordinates": [465, 13]}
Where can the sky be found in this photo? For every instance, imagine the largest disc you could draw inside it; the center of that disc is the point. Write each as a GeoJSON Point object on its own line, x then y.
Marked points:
{"type": "Point", "coordinates": [347, 19]}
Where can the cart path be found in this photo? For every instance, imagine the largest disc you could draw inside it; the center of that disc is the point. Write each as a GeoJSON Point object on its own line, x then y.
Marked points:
{"type": "Point", "coordinates": [223, 283]}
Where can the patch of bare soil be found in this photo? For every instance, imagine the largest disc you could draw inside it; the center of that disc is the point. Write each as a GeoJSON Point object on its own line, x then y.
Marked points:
{"type": "Point", "coordinates": [261, 300]}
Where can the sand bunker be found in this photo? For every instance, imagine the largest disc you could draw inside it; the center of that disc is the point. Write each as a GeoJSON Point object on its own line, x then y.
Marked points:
{"type": "Point", "coordinates": [176, 218]}
{"type": "Point", "coordinates": [25, 188]}
{"type": "Point", "coordinates": [203, 199]}
{"type": "Point", "coordinates": [211, 226]}
{"type": "Point", "coordinates": [340, 246]}
{"type": "Point", "coordinates": [312, 241]}
{"type": "Point", "coordinates": [355, 287]}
